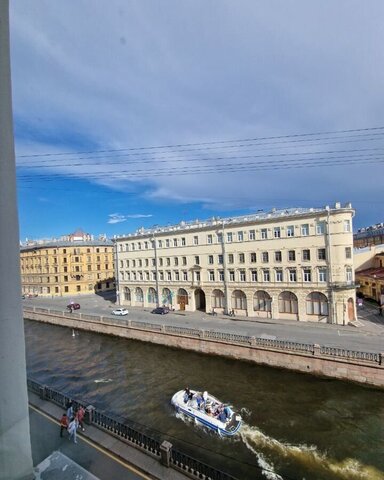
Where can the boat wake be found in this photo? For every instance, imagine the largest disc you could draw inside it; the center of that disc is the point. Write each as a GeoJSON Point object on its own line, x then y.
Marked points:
{"type": "Point", "coordinates": [270, 451]}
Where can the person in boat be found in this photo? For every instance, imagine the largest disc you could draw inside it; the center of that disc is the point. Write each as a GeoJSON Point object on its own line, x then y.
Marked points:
{"type": "Point", "coordinates": [188, 395]}
{"type": "Point", "coordinates": [199, 400]}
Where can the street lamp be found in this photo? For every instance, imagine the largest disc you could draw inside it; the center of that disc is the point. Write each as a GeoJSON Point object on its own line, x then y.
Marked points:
{"type": "Point", "coordinates": [156, 270]}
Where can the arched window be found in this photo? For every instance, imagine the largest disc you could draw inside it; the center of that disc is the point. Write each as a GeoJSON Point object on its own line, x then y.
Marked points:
{"type": "Point", "coordinates": [262, 301]}
{"type": "Point", "coordinates": [152, 297]}
{"type": "Point", "coordinates": [287, 302]}
{"type": "Point", "coordinates": [167, 296]}
{"type": "Point", "coordinates": [317, 304]}
{"type": "Point", "coordinates": [239, 300]}
{"type": "Point", "coordinates": [217, 299]}
{"type": "Point", "coordinates": [139, 294]}
{"type": "Point", "coordinates": [127, 294]}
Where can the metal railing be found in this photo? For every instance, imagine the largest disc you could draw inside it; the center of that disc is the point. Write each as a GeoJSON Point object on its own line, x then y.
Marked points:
{"type": "Point", "coordinates": [250, 341]}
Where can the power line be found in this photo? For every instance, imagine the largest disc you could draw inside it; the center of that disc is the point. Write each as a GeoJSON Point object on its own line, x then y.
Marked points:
{"type": "Point", "coordinates": [218, 142]}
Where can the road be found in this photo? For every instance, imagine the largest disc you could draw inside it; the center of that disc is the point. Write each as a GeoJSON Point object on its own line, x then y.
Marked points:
{"type": "Point", "coordinates": [368, 336]}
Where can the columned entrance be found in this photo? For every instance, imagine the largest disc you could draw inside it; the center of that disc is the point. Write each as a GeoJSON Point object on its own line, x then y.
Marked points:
{"type": "Point", "coordinates": [200, 299]}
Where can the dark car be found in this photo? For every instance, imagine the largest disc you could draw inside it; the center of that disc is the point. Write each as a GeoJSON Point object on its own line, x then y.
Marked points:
{"type": "Point", "coordinates": [161, 310]}
{"type": "Point", "coordinates": [73, 306]}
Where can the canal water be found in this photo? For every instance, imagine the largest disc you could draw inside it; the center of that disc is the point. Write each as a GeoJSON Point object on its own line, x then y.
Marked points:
{"type": "Point", "coordinates": [296, 426]}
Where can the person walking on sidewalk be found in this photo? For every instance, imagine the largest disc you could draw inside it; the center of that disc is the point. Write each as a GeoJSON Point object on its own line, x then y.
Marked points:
{"type": "Point", "coordinates": [72, 428]}
{"type": "Point", "coordinates": [63, 424]}
{"type": "Point", "coordinates": [80, 412]}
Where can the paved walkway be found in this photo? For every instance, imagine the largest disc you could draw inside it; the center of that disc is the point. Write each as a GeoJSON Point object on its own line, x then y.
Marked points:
{"type": "Point", "coordinates": [99, 453]}
{"type": "Point", "coordinates": [368, 335]}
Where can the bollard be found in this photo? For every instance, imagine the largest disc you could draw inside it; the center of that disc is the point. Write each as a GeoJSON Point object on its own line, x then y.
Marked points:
{"type": "Point", "coordinates": [165, 452]}
{"type": "Point", "coordinates": [42, 392]}
{"type": "Point", "coordinates": [88, 416]}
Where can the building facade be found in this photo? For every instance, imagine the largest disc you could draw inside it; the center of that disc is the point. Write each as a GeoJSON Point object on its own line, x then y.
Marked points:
{"type": "Point", "coordinates": [293, 264]}
{"type": "Point", "coordinates": [371, 280]}
{"type": "Point", "coordinates": [67, 267]}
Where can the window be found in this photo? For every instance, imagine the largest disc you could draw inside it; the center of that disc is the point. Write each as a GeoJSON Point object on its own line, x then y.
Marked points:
{"type": "Point", "coordinates": [349, 274]}
{"type": "Point", "coordinates": [322, 274]}
{"type": "Point", "coordinates": [139, 245]}
{"type": "Point", "coordinates": [146, 262]}
{"type": "Point", "coordinates": [306, 255]}
{"type": "Point", "coordinates": [176, 261]}
{"type": "Point", "coordinates": [317, 304]}
{"type": "Point", "coordinates": [185, 275]}
{"type": "Point", "coordinates": [279, 275]}
{"type": "Point", "coordinates": [321, 255]}
{"type": "Point", "coordinates": [167, 243]}
{"type": "Point", "coordinates": [290, 231]}
{"type": "Point", "coordinates": [242, 275]}
{"type": "Point", "coordinates": [184, 260]}
{"type": "Point", "coordinates": [220, 259]}
{"type": "Point", "coordinates": [197, 260]}
{"type": "Point", "coordinates": [197, 276]}
{"type": "Point", "coordinates": [347, 225]}
{"type": "Point", "coordinates": [264, 233]}
{"type": "Point", "coordinates": [230, 258]}
{"type": "Point", "coordinates": [229, 237]}
{"type": "Point", "coordinates": [262, 302]}
{"type": "Point", "coordinates": [168, 261]}
{"type": "Point", "coordinates": [239, 300]}
{"type": "Point", "coordinates": [219, 238]}
{"type": "Point", "coordinates": [160, 244]}
{"type": "Point", "coordinates": [252, 235]}
{"type": "Point", "coordinates": [253, 257]}
{"type": "Point", "coordinates": [265, 257]}
{"type": "Point", "coordinates": [287, 302]}
{"type": "Point", "coordinates": [266, 275]}
{"type": "Point", "coordinates": [217, 299]}
{"type": "Point", "coordinates": [306, 275]}
{"type": "Point", "coordinates": [160, 262]}
{"type": "Point", "coordinates": [210, 259]}
{"type": "Point", "coordinates": [183, 242]}
{"type": "Point", "coordinates": [196, 240]}
{"type": "Point", "coordinates": [176, 275]}
{"type": "Point", "coordinates": [278, 256]}
{"type": "Point", "coordinates": [254, 275]}
{"type": "Point", "coordinates": [211, 275]}
{"type": "Point", "coordinates": [240, 236]}
{"type": "Point", "coordinates": [241, 258]}
{"type": "Point", "coordinates": [231, 275]}
{"type": "Point", "coordinates": [305, 229]}
{"type": "Point", "coordinates": [132, 247]}
{"type": "Point", "coordinates": [133, 263]}
{"type": "Point", "coordinates": [277, 232]}
{"type": "Point", "coordinates": [291, 255]}
{"type": "Point", "coordinates": [221, 275]}
{"type": "Point", "coordinates": [292, 275]}
{"type": "Point", "coordinates": [348, 252]}
{"type": "Point", "coordinates": [140, 262]}
{"type": "Point", "coordinates": [209, 239]}
{"type": "Point", "coordinates": [175, 242]}
{"type": "Point", "coordinates": [169, 276]}
{"type": "Point", "coordinates": [320, 228]}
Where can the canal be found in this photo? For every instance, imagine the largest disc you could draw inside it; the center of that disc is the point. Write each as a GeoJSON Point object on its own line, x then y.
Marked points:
{"type": "Point", "coordinates": [296, 426]}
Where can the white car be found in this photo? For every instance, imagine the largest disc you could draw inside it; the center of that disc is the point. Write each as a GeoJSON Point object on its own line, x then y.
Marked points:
{"type": "Point", "coordinates": [120, 311]}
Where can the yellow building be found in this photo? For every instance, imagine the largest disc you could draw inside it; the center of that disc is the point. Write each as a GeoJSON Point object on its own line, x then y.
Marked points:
{"type": "Point", "coordinates": [73, 266]}
{"type": "Point", "coordinates": [371, 279]}
{"type": "Point", "coordinates": [293, 264]}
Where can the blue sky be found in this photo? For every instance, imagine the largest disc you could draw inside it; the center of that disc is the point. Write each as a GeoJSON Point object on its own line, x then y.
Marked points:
{"type": "Point", "coordinates": [223, 87]}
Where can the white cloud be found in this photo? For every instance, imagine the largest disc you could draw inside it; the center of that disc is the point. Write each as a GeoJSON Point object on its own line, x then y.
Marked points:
{"type": "Point", "coordinates": [118, 218]}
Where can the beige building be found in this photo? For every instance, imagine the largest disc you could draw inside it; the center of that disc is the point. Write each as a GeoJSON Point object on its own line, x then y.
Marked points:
{"type": "Point", "coordinates": [73, 266]}
{"type": "Point", "coordinates": [370, 278]}
{"type": "Point", "coordinates": [293, 264]}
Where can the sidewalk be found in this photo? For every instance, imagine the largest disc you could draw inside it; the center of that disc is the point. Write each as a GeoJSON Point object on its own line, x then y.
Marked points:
{"type": "Point", "coordinates": [99, 453]}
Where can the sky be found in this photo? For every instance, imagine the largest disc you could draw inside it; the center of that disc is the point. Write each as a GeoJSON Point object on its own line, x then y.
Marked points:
{"type": "Point", "coordinates": [141, 113]}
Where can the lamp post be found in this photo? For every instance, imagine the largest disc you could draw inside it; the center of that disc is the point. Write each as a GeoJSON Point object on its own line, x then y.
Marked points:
{"type": "Point", "coordinates": [156, 270]}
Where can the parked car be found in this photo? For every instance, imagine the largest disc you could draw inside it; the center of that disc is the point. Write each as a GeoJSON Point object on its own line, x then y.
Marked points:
{"type": "Point", "coordinates": [73, 306]}
{"type": "Point", "coordinates": [160, 310]}
{"type": "Point", "coordinates": [120, 311]}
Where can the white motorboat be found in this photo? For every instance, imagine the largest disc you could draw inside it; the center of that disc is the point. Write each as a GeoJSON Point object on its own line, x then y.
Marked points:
{"type": "Point", "coordinates": [207, 410]}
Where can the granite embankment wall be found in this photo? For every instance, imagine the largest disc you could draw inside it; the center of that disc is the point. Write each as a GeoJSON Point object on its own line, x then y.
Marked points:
{"type": "Point", "coordinates": [362, 367]}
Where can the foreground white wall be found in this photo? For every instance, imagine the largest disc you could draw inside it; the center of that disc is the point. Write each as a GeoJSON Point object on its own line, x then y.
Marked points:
{"type": "Point", "coordinates": [15, 446]}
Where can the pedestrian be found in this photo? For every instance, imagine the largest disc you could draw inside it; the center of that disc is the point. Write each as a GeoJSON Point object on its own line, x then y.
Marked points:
{"type": "Point", "coordinates": [70, 413]}
{"type": "Point", "coordinates": [80, 412]}
{"type": "Point", "coordinates": [381, 310]}
{"type": "Point", "coordinates": [72, 428]}
{"type": "Point", "coordinates": [63, 423]}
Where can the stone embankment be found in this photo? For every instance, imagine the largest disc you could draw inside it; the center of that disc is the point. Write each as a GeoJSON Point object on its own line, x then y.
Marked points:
{"type": "Point", "coordinates": [362, 367]}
